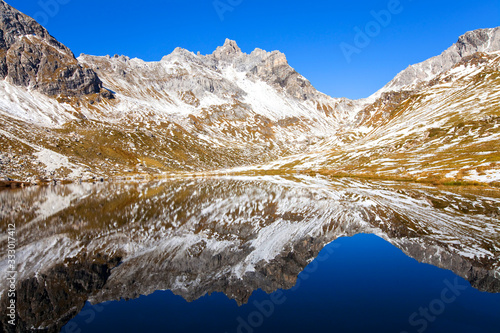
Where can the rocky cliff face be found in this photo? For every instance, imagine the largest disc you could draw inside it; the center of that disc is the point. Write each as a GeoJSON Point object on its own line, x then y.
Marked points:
{"type": "Point", "coordinates": [30, 57]}
{"type": "Point", "coordinates": [482, 40]}
{"type": "Point", "coordinates": [205, 74]}
{"type": "Point", "coordinates": [47, 301]}
{"type": "Point", "coordinates": [271, 67]}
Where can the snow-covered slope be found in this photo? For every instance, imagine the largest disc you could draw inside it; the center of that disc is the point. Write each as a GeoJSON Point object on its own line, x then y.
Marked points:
{"type": "Point", "coordinates": [227, 98]}
{"type": "Point", "coordinates": [186, 112]}
{"type": "Point", "coordinates": [449, 130]}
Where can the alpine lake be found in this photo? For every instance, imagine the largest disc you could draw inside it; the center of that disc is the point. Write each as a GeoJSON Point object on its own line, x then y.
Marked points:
{"type": "Point", "coordinates": [251, 254]}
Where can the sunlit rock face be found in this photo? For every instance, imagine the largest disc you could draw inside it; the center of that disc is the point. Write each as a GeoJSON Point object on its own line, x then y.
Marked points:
{"type": "Point", "coordinates": [101, 242]}
{"type": "Point", "coordinates": [481, 40]}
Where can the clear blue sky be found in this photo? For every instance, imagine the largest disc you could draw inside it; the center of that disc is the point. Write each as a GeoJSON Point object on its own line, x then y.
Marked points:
{"type": "Point", "coordinates": [309, 33]}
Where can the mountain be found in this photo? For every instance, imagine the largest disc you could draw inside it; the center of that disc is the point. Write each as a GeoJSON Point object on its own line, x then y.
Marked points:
{"type": "Point", "coordinates": [436, 121]}
{"type": "Point", "coordinates": [100, 116]}
{"type": "Point", "coordinates": [445, 130]}
{"type": "Point", "coordinates": [483, 40]}
{"type": "Point", "coordinates": [30, 57]}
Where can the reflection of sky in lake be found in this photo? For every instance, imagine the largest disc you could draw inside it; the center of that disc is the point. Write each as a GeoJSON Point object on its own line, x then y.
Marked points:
{"type": "Point", "coordinates": [357, 284]}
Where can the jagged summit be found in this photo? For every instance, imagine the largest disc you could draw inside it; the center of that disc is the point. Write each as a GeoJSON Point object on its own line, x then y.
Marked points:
{"type": "Point", "coordinates": [206, 70]}
{"type": "Point", "coordinates": [229, 50]}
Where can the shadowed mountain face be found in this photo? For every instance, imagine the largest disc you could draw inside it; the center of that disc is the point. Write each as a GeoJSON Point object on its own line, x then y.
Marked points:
{"type": "Point", "coordinates": [101, 242]}
{"type": "Point", "coordinates": [30, 57]}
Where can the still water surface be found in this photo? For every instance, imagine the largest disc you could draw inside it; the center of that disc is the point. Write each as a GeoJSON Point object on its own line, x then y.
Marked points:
{"type": "Point", "coordinates": [254, 254]}
{"type": "Point", "coordinates": [357, 284]}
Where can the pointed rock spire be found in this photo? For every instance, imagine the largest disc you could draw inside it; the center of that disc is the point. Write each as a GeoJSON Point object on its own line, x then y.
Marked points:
{"type": "Point", "coordinates": [228, 50]}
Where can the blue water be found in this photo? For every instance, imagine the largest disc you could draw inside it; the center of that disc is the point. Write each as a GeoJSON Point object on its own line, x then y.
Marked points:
{"type": "Point", "coordinates": [357, 284]}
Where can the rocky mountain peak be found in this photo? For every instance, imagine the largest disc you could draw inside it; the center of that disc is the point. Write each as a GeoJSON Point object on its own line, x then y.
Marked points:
{"type": "Point", "coordinates": [228, 50]}
{"type": "Point", "coordinates": [31, 57]}
{"type": "Point", "coordinates": [481, 40]}
{"type": "Point", "coordinates": [180, 50]}
{"type": "Point", "coordinates": [14, 24]}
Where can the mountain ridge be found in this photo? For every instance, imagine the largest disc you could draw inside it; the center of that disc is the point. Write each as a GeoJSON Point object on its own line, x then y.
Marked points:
{"type": "Point", "coordinates": [233, 112]}
{"type": "Point", "coordinates": [480, 40]}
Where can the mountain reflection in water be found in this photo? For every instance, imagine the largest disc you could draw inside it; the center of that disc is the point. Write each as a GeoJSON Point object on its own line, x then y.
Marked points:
{"type": "Point", "coordinates": [234, 235]}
